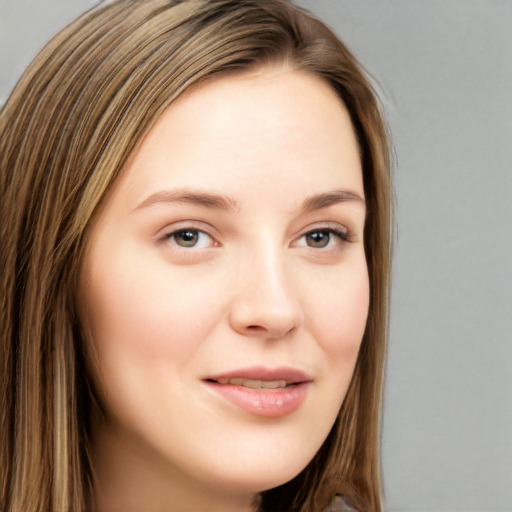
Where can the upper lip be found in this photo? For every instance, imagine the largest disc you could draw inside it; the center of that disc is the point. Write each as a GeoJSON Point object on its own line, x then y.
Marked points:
{"type": "Point", "coordinates": [289, 374]}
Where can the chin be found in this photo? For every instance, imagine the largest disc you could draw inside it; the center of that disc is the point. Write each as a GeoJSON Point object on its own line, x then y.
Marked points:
{"type": "Point", "coordinates": [257, 477]}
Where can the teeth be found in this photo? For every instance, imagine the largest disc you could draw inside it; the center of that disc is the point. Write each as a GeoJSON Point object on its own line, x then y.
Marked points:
{"type": "Point", "coordinates": [272, 384]}
{"type": "Point", "coordinates": [253, 384]}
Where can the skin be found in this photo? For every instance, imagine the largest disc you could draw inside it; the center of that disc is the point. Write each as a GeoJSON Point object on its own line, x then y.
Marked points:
{"type": "Point", "coordinates": [255, 279]}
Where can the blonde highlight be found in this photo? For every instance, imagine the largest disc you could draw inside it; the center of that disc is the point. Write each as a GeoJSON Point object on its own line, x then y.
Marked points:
{"type": "Point", "coordinates": [69, 127]}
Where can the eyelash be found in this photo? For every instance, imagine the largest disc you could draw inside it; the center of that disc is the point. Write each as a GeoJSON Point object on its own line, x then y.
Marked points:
{"type": "Point", "coordinates": [171, 237]}
{"type": "Point", "coordinates": [342, 236]}
{"type": "Point", "coordinates": [197, 234]}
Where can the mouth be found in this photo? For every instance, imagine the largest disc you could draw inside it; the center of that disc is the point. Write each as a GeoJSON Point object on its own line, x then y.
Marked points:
{"type": "Point", "coordinates": [263, 392]}
{"type": "Point", "coordinates": [261, 385]}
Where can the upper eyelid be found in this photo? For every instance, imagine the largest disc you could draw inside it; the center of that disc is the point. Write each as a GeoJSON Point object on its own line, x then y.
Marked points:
{"type": "Point", "coordinates": [166, 239]}
{"type": "Point", "coordinates": [326, 226]}
{"type": "Point", "coordinates": [203, 227]}
{"type": "Point", "coordinates": [190, 224]}
{"type": "Point", "coordinates": [164, 235]}
{"type": "Point", "coordinates": [173, 231]}
{"type": "Point", "coordinates": [173, 234]}
{"type": "Point", "coordinates": [342, 232]}
{"type": "Point", "coordinates": [341, 235]}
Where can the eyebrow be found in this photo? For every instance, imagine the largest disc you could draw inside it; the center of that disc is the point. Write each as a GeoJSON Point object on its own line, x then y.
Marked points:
{"type": "Point", "coordinates": [324, 200]}
{"type": "Point", "coordinates": [226, 203]}
{"type": "Point", "coordinates": [187, 196]}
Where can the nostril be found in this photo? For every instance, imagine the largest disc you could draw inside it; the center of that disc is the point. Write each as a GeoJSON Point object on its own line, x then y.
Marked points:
{"type": "Point", "coordinates": [255, 328]}
{"type": "Point", "coordinates": [261, 319]}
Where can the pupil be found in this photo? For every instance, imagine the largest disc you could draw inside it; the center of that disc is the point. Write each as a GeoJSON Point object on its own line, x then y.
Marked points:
{"type": "Point", "coordinates": [187, 238]}
{"type": "Point", "coordinates": [318, 239]}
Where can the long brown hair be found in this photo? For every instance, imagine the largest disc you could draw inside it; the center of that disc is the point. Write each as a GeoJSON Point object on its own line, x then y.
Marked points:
{"type": "Point", "coordinates": [66, 131]}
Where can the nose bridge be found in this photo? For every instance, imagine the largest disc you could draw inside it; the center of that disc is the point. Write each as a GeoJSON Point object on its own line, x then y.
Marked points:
{"type": "Point", "coordinates": [266, 302]}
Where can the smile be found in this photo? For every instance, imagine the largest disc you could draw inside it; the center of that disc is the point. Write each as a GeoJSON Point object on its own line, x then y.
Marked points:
{"type": "Point", "coordinates": [269, 393]}
{"type": "Point", "coordinates": [255, 384]}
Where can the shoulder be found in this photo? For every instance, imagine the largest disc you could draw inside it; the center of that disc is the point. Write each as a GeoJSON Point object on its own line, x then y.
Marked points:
{"type": "Point", "coordinates": [340, 504]}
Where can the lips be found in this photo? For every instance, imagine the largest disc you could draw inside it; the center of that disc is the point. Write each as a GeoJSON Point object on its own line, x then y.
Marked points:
{"type": "Point", "coordinates": [254, 383]}
{"type": "Point", "coordinates": [262, 391]}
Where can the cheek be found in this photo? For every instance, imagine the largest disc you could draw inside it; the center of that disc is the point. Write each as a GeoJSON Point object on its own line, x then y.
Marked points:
{"type": "Point", "coordinates": [144, 333]}
{"type": "Point", "coordinates": [338, 318]}
{"type": "Point", "coordinates": [144, 315]}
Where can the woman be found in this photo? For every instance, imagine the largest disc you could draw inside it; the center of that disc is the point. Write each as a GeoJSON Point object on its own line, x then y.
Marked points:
{"type": "Point", "coordinates": [195, 244]}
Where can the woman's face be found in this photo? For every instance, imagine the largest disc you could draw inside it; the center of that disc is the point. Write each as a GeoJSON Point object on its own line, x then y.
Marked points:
{"type": "Point", "coordinates": [224, 286]}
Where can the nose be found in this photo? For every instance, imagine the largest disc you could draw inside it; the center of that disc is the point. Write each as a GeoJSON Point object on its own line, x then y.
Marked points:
{"type": "Point", "coordinates": [266, 304]}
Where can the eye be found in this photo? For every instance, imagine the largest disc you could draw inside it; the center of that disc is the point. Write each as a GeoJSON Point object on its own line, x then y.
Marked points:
{"type": "Point", "coordinates": [190, 238]}
{"type": "Point", "coordinates": [322, 238]}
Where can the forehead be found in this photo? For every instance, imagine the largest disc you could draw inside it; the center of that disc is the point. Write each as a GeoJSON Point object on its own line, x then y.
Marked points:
{"type": "Point", "coordinates": [252, 128]}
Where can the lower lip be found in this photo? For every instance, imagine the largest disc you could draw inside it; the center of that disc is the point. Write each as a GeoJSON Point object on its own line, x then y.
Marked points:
{"type": "Point", "coordinates": [267, 403]}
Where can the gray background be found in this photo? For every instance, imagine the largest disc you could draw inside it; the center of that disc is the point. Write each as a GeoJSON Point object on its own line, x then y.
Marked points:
{"type": "Point", "coordinates": [443, 69]}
